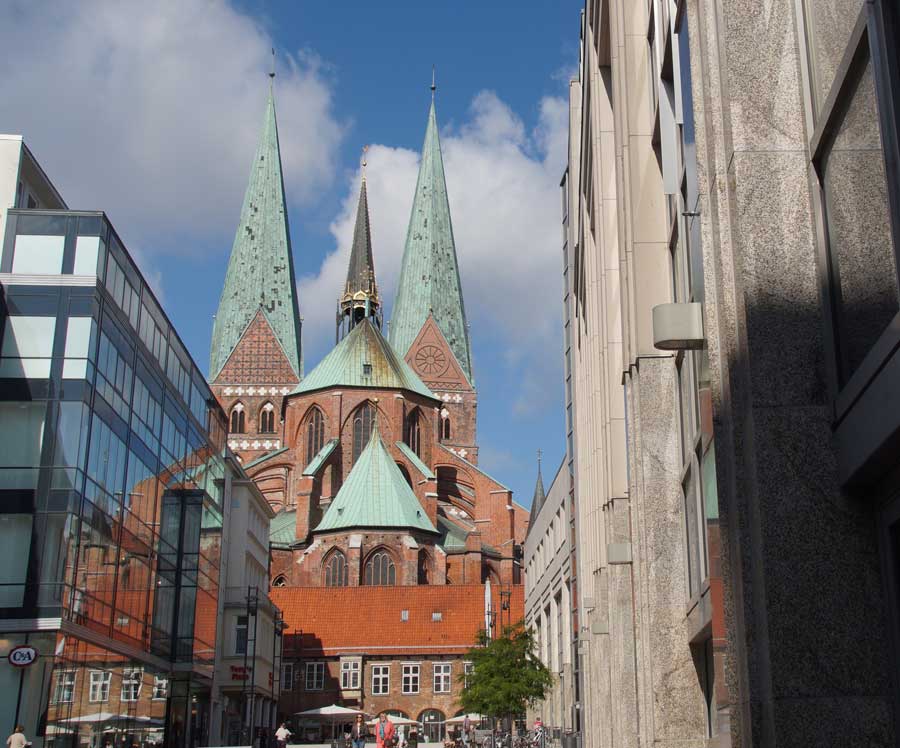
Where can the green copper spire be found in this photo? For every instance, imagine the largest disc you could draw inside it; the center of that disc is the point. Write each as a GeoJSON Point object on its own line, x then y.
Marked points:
{"type": "Point", "coordinates": [375, 494]}
{"type": "Point", "coordinates": [261, 269]}
{"type": "Point", "coordinates": [429, 275]}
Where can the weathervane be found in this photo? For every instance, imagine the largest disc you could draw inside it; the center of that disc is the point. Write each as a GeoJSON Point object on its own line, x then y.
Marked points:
{"type": "Point", "coordinates": [433, 85]}
{"type": "Point", "coordinates": [272, 72]}
{"type": "Point", "coordinates": [364, 160]}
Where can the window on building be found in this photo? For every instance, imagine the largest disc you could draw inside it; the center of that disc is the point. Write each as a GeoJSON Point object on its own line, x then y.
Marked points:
{"type": "Point", "coordinates": [160, 687]}
{"type": "Point", "coordinates": [380, 569]}
{"type": "Point", "coordinates": [336, 570]}
{"type": "Point", "coordinates": [238, 424]}
{"type": "Point", "coordinates": [267, 419]}
{"type": "Point", "coordinates": [442, 677]}
{"type": "Point", "coordinates": [411, 435]}
{"type": "Point", "coordinates": [99, 690]}
{"type": "Point", "coordinates": [315, 676]}
{"type": "Point", "coordinates": [469, 671]}
{"type": "Point", "coordinates": [424, 567]}
{"type": "Point", "coordinates": [287, 676]}
{"type": "Point", "coordinates": [350, 675]}
{"type": "Point", "coordinates": [279, 581]}
{"type": "Point", "coordinates": [315, 434]}
{"type": "Point", "coordinates": [132, 680]}
{"type": "Point", "coordinates": [240, 635]}
{"type": "Point", "coordinates": [434, 725]}
{"type": "Point", "coordinates": [445, 428]}
{"type": "Point", "coordinates": [381, 680]}
{"type": "Point", "coordinates": [363, 420]}
{"type": "Point", "coordinates": [410, 682]}
{"type": "Point", "coordinates": [405, 473]}
{"type": "Point", "coordinates": [64, 690]}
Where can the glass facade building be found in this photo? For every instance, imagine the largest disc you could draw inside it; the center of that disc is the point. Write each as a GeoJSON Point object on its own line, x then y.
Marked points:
{"type": "Point", "coordinates": [111, 483]}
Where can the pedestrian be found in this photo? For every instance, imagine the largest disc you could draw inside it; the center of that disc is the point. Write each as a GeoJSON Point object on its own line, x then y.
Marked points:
{"type": "Point", "coordinates": [17, 739]}
{"type": "Point", "coordinates": [385, 732]}
{"type": "Point", "coordinates": [282, 735]}
{"type": "Point", "coordinates": [467, 728]}
{"type": "Point", "coordinates": [358, 732]}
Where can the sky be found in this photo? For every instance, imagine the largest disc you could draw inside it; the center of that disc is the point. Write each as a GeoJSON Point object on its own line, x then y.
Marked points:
{"type": "Point", "coordinates": [152, 111]}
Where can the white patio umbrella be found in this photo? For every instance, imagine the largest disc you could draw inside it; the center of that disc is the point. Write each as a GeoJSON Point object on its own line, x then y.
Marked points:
{"type": "Point", "coordinates": [332, 713]}
{"type": "Point", "coordinates": [462, 718]}
{"type": "Point", "coordinates": [398, 721]}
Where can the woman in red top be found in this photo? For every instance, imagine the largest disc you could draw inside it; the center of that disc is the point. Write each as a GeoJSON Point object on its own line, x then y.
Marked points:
{"type": "Point", "coordinates": [384, 732]}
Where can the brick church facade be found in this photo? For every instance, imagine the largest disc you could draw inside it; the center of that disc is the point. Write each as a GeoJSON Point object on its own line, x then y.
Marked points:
{"type": "Point", "coordinates": [370, 459]}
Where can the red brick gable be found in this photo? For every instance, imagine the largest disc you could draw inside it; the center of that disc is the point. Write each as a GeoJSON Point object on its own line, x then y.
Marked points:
{"type": "Point", "coordinates": [432, 359]}
{"type": "Point", "coordinates": [330, 617]}
{"type": "Point", "coordinates": [257, 358]}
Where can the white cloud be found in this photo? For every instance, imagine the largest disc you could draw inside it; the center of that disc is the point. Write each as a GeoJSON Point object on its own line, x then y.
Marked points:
{"type": "Point", "coordinates": [152, 111]}
{"type": "Point", "coordinates": [503, 184]}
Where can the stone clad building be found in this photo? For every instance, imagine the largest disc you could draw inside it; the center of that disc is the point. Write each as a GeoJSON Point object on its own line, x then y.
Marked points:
{"type": "Point", "coordinates": [732, 213]}
{"type": "Point", "coordinates": [370, 459]}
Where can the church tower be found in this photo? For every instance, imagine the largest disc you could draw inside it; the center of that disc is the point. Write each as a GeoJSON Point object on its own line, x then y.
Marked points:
{"type": "Point", "coordinates": [428, 321]}
{"type": "Point", "coordinates": [360, 297]}
{"type": "Point", "coordinates": [255, 353]}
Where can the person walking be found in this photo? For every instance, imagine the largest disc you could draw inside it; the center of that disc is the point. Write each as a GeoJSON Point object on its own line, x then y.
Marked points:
{"type": "Point", "coordinates": [282, 735]}
{"type": "Point", "coordinates": [466, 731]}
{"type": "Point", "coordinates": [17, 739]}
{"type": "Point", "coordinates": [385, 732]}
{"type": "Point", "coordinates": [359, 732]}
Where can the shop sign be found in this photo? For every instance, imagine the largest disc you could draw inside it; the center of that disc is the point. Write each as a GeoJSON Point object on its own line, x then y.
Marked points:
{"type": "Point", "coordinates": [22, 656]}
{"type": "Point", "coordinates": [239, 672]}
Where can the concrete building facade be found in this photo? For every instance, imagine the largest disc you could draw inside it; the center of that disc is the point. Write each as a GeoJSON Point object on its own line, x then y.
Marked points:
{"type": "Point", "coordinates": [548, 599]}
{"type": "Point", "coordinates": [732, 201]}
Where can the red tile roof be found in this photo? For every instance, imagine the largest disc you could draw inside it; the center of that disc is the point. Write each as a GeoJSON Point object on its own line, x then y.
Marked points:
{"type": "Point", "coordinates": [368, 619]}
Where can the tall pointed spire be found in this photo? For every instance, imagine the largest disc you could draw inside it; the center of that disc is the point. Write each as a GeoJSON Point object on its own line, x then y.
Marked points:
{"type": "Point", "coordinates": [260, 276]}
{"type": "Point", "coordinates": [429, 276]}
{"type": "Point", "coordinates": [360, 297]}
{"type": "Point", "coordinates": [539, 494]}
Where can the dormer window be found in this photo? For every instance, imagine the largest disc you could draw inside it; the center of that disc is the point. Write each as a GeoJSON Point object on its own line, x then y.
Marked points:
{"type": "Point", "coordinates": [367, 370]}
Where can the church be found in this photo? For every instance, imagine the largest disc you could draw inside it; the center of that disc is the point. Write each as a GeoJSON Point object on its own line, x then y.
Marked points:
{"type": "Point", "coordinates": [391, 547]}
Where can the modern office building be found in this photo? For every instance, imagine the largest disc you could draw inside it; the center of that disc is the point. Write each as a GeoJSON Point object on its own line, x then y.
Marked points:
{"type": "Point", "coordinates": [111, 488]}
{"type": "Point", "coordinates": [249, 637]}
{"type": "Point", "coordinates": [733, 203]}
{"type": "Point", "coordinates": [549, 599]}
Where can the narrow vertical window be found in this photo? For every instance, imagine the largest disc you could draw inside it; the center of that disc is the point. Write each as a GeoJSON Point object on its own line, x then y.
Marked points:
{"type": "Point", "coordinates": [237, 419]}
{"type": "Point", "coordinates": [267, 419]}
{"type": "Point", "coordinates": [362, 428]}
{"type": "Point", "coordinates": [315, 434]}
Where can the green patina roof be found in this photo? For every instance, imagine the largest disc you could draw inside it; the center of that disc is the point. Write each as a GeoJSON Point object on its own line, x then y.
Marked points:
{"type": "Point", "coordinates": [429, 275]}
{"type": "Point", "coordinates": [317, 461]}
{"type": "Point", "coordinates": [375, 494]}
{"type": "Point", "coordinates": [343, 367]}
{"type": "Point", "coordinates": [261, 269]}
{"type": "Point", "coordinates": [453, 537]}
{"type": "Point", "coordinates": [267, 456]}
{"type": "Point", "coordinates": [282, 528]}
{"type": "Point", "coordinates": [414, 459]}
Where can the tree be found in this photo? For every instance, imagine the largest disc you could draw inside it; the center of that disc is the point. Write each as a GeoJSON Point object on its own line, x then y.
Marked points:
{"type": "Point", "coordinates": [507, 676]}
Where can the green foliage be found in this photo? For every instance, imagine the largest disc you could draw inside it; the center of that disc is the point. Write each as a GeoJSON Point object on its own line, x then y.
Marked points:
{"type": "Point", "coordinates": [507, 675]}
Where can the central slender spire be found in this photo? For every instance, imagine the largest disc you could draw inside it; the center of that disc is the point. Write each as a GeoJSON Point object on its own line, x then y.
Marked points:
{"type": "Point", "coordinates": [260, 276]}
{"type": "Point", "coordinates": [429, 276]}
{"type": "Point", "coordinates": [360, 297]}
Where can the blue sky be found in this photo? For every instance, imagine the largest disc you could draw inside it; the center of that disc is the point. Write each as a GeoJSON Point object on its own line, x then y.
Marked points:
{"type": "Point", "coordinates": [158, 128]}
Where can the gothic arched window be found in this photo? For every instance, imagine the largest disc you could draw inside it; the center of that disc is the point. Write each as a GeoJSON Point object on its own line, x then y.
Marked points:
{"type": "Point", "coordinates": [237, 419]}
{"type": "Point", "coordinates": [279, 581]}
{"type": "Point", "coordinates": [445, 428]}
{"type": "Point", "coordinates": [363, 420]}
{"type": "Point", "coordinates": [336, 570]}
{"type": "Point", "coordinates": [267, 419]}
{"type": "Point", "coordinates": [423, 567]}
{"type": "Point", "coordinates": [380, 569]}
{"type": "Point", "coordinates": [411, 431]}
{"type": "Point", "coordinates": [315, 434]}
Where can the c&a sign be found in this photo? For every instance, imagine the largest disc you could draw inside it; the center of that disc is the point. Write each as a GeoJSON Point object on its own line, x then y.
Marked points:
{"type": "Point", "coordinates": [22, 656]}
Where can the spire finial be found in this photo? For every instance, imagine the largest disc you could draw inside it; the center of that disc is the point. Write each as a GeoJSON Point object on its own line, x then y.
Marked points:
{"type": "Point", "coordinates": [272, 71]}
{"type": "Point", "coordinates": [364, 161]}
{"type": "Point", "coordinates": [539, 455]}
{"type": "Point", "coordinates": [433, 84]}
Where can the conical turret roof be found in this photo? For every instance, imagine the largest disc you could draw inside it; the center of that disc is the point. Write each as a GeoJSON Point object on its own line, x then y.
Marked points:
{"type": "Point", "coordinates": [260, 272]}
{"type": "Point", "coordinates": [375, 494]}
{"type": "Point", "coordinates": [429, 275]}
